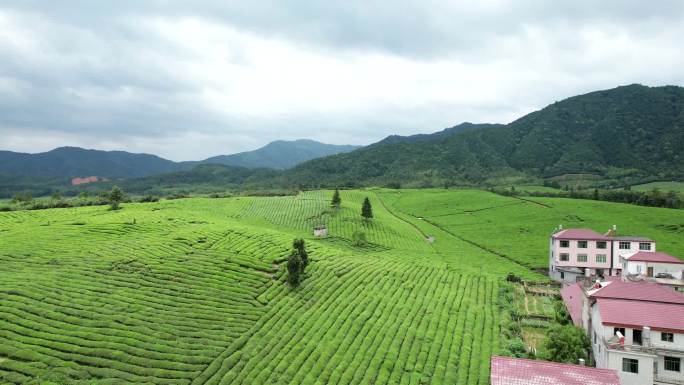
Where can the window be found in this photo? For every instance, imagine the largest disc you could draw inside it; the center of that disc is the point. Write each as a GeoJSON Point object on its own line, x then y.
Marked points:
{"type": "Point", "coordinates": [636, 337]}
{"type": "Point", "coordinates": [630, 365]}
{"type": "Point", "coordinates": [594, 337]}
{"type": "Point", "coordinates": [673, 364]}
{"type": "Point", "coordinates": [601, 244]}
{"type": "Point", "coordinates": [625, 245]}
{"type": "Point", "coordinates": [564, 243]}
{"type": "Point", "coordinates": [581, 257]}
{"type": "Point", "coordinates": [564, 257]}
{"type": "Point", "coordinates": [667, 337]}
{"type": "Point", "coordinates": [582, 244]}
{"type": "Point", "coordinates": [562, 275]}
{"type": "Point", "coordinates": [621, 330]}
{"type": "Point", "coordinates": [601, 258]}
{"type": "Point", "coordinates": [645, 246]}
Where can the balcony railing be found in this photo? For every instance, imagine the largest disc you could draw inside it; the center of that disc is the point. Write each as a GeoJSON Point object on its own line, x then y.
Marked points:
{"type": "Point", "coordinates": [647, 347]}
{"type": "Point", "coordinates": [658, 377]}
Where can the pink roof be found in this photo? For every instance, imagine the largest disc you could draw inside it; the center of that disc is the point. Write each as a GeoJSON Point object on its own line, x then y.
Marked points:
{"type": "Point", "coordinates": [583, 234]}
{"type": "Point", "coordinates": [639, 291]}
{"type": "Point", "coordinates": [520, 371]}
{"type": "Point", "coordinates": [655, 256]}
{"type": "Point", "coordinates": [572, 297]}
{"type": "Point", "coordinates": [591, 235]}
{"type": "Point", "coordinates": [657, 316]}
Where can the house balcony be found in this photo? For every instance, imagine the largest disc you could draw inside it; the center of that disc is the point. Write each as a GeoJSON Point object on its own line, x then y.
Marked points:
{"type": "Point", "coordinates": [667, 379]}
{"type": "Point", "coordinates": [645, 348]}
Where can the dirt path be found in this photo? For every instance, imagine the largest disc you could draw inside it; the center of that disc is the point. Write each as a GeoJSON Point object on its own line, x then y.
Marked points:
{"type": "Point", "coordinates": [484, 248]}
{"type": "Point", "coordinates": [421, 232]}
{"type": "Point", "coordinates": [450, 233]}
{"type": "Point", "coordinates": [533, 202]}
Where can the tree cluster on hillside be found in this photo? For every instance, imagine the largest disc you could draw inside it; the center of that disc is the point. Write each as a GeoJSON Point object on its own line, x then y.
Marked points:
{"type": "Point", "coordinates": [566, 343]}
{"type": "Point", "coordinates": [297, 262]}
{"type": "Point", "coordinates": [653, 198]}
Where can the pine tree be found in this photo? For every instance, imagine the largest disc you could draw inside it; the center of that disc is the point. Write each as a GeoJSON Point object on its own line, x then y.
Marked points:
{"type": "Point", "coordinates": [366, 209]}
{"type": "Point", "coordinates": [300, 247]}
{"type": "Point", "coordinates": [294, 268]}
{"type": "Point", "coordinates": [336, 201]}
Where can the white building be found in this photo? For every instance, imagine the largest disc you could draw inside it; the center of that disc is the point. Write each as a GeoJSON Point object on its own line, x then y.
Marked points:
{"type": "Point", "coordinates": [577, 254]}
{"type": "Point", "coordinates": [636, 328]}
{"type": "Point", "coordinates": [320, 231]}
{"type": "Point", "coordinates": [655, 267]}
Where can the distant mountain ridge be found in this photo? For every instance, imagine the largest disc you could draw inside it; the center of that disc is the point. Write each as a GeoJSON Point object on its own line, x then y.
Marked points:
{"type": "Point", "coordinates": [631, 132]}
{"type": "Point", "coordinates": [281, 154]}
{"type": "Point", "coordinates": [70, 162]}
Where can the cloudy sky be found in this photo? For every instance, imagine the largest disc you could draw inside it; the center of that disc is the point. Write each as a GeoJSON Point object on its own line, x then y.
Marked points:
{"type": "Point", "coordinates": [192, 79]}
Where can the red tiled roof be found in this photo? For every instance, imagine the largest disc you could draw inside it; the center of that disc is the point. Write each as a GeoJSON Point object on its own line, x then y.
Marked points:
{"type": "Point", "coordinates": [655, 256]}
{"type": "Point", "coordinates": [657, 316]}
{"type": "Point", "coordinates": [572, 297]}
{"type": "Point", "coordinates": [520, 371]}
{"type": "Point", "coordinates": [639, 291]}
{"type": "Point", "coordinates": [583, 234]}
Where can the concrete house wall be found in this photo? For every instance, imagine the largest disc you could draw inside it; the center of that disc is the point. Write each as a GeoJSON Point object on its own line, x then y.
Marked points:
{"type": "Point", "coordinates": [641, 267]}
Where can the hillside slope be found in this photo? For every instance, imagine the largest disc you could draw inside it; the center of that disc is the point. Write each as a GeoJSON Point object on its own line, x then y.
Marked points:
{"type": "Point", "coordinates": [630, 130]}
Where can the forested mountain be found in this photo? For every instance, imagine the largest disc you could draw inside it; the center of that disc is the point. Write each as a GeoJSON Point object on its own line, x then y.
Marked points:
{"type": "Point", "coordinates": [64, 163]}
{"type": "Point", "coordinates": [67, 162]}
{"type": "Point", "coordinates": [434, 136]}
{"type": "Point", "coordinates": [630, 130]}
{"type": "Point", "coordinates": [281, 154]}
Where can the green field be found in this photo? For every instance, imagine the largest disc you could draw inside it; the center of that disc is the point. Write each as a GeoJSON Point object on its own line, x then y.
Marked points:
{"type": "Point", "coordinates": [662, 186]}
{"type": "Point", "coordinates": [192, 291]}
{"type": "Point", "coordinates": [519, 228]}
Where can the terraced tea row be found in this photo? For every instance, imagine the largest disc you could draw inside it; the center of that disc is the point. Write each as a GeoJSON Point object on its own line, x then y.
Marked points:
{"type": "Point", "coordinates": [371, 321]}
{"type": "Point", "coordinates": [148, 301]}
{"type": "Point", "coordinates": [191, 292]}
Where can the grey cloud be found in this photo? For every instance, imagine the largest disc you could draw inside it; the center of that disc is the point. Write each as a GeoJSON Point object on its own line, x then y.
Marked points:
{"type": "Point", "coordinates": [96, 73]}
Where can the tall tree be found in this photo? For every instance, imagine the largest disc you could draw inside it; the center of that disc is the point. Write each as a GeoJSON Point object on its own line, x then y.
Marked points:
{"type": "Point", "coordinates": [300, 246]}
{"type": "Point", "coordinates": [116, 196]}
{"type": "Point", "coordinates": [366, 209]}
{"type": "Point", "coordinates": [336, 200]}
{"type": "Point", "coordinates": [566, 343]}
{"type": "Point", "coordinates": [294, 268]}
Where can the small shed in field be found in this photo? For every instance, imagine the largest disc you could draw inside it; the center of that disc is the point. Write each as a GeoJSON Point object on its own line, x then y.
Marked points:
{"type": "Point", "coordinates": [320, 231]}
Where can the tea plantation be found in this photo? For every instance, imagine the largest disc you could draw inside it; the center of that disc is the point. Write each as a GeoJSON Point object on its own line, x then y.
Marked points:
{"type": "Point", "coordinates": [192, 291]}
